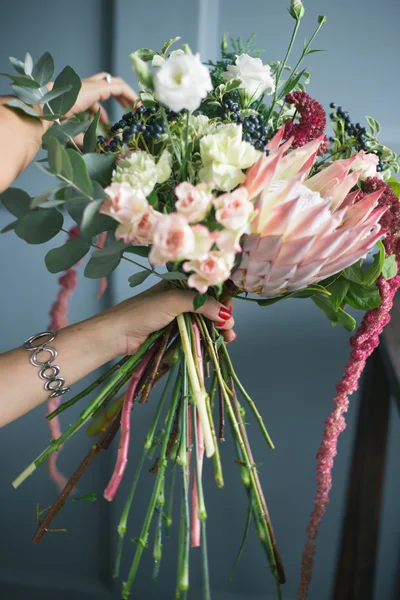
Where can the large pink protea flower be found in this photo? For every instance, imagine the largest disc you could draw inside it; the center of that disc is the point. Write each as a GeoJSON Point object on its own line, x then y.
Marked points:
{"type": "Point", "coordinates": [305, 229]}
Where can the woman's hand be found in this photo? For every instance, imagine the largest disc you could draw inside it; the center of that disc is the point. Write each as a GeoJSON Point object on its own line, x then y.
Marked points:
{"type": "Point", "coordinates": [129, 324]}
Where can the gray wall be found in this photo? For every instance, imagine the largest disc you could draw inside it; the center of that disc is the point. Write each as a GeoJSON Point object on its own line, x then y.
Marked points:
{"type": "Point", "coordinates": [288, 355]}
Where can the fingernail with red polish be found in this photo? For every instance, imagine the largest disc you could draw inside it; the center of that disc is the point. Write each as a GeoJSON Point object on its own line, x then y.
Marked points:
{"type": "Point", "coordinates": [220, 323]}
{"type": "Point", "coordinates": [224, 313]}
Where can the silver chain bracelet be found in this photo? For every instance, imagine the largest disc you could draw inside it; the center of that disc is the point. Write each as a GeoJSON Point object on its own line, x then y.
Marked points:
{"type": "Point", "coordinates": [54, 384]}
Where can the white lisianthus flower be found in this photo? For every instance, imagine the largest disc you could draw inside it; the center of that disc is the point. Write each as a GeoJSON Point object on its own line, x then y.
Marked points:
{"type": "Point", "coordinates": [141, 171]}
{"type": "Point", "coordinates": [367, 163]}
{"type": "Point", "coordinates": [201, 125]}
{"type": "Point", "coordinates": [224, 154]}
{"type": "Point", "coordinates": [182, 82]}
{"type": "Point", "coordinates": [256, 77]}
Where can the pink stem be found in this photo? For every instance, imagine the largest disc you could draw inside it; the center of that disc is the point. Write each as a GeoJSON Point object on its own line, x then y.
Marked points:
{"type": "Point", "coordinates": [103, 282]}
{"type": "Point", "coordinates": [195, 533]}
{"type": "Point", "coordinates": [122, 457]}
{"type": "Point", "coordinates": [365, 340]}
{"type": "Point", "coordinates": [58, 313]}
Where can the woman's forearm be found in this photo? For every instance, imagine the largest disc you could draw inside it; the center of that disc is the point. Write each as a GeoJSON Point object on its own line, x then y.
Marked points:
{"type": "Point", "coordinates": [81, 349]}
{"type": "Point", "coordinates": [21, 138]}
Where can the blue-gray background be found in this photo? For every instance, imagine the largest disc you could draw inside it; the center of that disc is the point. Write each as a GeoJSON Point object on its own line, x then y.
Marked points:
{"type": "Point", "coordinates": [288, 355]}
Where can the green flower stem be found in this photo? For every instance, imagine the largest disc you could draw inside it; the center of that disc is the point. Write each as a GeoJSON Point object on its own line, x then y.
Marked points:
{"type": "Point", "coordinates": [89, 410]}
{"type": "Point", "coordinates": [245, 534]}
{"type": "Point", "coordinates": [171, 139]}
{"type": "Point", "coordinates": [199, 393]}
{"type": "Point", "coordinates": [245, 395]}
{"type": "Point", "coordinates": [170, 501]}
{"type": "Point", "coordinates": [202, 512]}
{"type": "Point", "coordinates": [186, 149]}
{"type": "Point", "coordinates": [148, 444]}
{"type": "Point", "coordinates": [162, 463]}
{"type": "Point", "coordinates": [157, 551]}
{"type": "Point", "coordinates": [88, 390]}
{"type": "Point", "coordinates": [213, 389]}
{"type": "Point", "coordinates": [282, 67]}
{"type": "Point", "coordinates": [219, 478]}
{"type": "Point", "coordinates": [182, 460]}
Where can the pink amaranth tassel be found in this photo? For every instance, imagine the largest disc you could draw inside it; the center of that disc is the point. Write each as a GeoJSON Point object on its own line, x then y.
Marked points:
{"type": "Point", "coordinates": [363, 343]}
{"type": "Point", "coordinates": [195, 532]}
{"type": "Point", "coordinates": [58, 313]}
{"type": "Point", "coordinates": [103, 283]}
{"type": "Point", "coordinates": [122, 457]}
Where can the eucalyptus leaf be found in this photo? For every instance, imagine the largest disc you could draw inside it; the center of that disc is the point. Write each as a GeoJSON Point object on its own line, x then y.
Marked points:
{"type": "Point", "coordinates": [55, 93]}
{"type": "Point", "coordinates": [80, 175]}
{"type": "Point", "coordinates": [199, 301]}
{"type": "Point", "coordinates": [22, 81]}
{"type": "Point", "coordinates": [28, 95]}
{"type": "Point", "coordinates": [39, 226]}
{"type": "Point", "coordinates": [66, 256]}
{"type": "Point", "coordinates": [101, 265]}
{"type": "Point", "coordinates": [28, 64]}
{"type": "Point", "coordinates": [174, 276]}
{"type": "Point", "coordinates": [18, 65]}
{"type": "Point", "coordinates": [64, 103]}
{"type": "Point", "coordinates": [58, 159]}
{"type": "Point", "coordinates": [90, 138]}
{"type": "Point", "coordinates": [40, 199]}
{"type": "Point", "coordinates": [16, 201]}
{"type": "Point", "coordinates": [139, 250]}
{"type": "Point", "coordinates": [43, 70]}
{"type": "Point", "coordinates": [389, 269]}
{"type": "Point", "coordinates": [89, 216]}
{"type": "Point", "coordinates": [138, 278]}
{"type": "Point", "coordinates": [100, 167]}
{"type": "Point", "coordinates": [65, 131]}
{"type": "Point", "coordinates": [23, 108]}
{"type": "Point", "coordinates": [9, 227]}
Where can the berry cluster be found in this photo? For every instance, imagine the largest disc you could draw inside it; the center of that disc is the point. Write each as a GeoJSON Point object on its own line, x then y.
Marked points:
{"type": "Point", "coordinates": [255, 132]}
{"type": "Point", "coordinates": [352, 129]}
{"type": "Point", "coordinates": [145, 120]}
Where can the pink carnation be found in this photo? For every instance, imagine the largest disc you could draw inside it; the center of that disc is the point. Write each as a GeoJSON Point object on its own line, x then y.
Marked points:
{"type": "Point", "coordinates": [194, 201]}
{"type": "Point", "coordinates": [233, 210]}
{"type": "Point", "coordinates": [212, 270]}
{"type": "Point", "coordinates": [124, 204]}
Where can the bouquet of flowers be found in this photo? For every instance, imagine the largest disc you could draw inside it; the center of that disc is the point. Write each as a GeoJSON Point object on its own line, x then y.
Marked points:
{"type": "Point", "coordinates": [223, 176]}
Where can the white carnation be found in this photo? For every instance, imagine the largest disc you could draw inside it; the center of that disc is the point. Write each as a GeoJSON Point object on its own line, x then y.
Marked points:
{"type": "Point", "coordinates": [224, 154]}
{"type": "Point", "coordinates": [141, 171]}
{"type": "Point", "coordinates": [182, 82]}
{"type": "Point", "coordinates": [201, 125]}
{"type": "Point", "coordinates": [256, 77]}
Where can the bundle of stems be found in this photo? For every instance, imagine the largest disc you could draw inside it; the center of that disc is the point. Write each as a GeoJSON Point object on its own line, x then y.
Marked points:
{"type": "Point", "coordinates": [182, 427]}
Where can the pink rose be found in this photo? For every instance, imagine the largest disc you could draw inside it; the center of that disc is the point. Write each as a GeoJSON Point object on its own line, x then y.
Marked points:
{"type": "Point", "coordinates": [233, 210]}
{"type": "Point", "coordinates": [212, 270]}
{"type": "Point", "coordinates": [229, 240]}
{"type": "Point", "coordinates": [194, 201]}
{"type": "Point", "coordinates": [140, 232]}
{"type": "Point", "coordinates": [173, 239]}
{"type": "Point", "coordinates": [203, 241]}
{"type": "Point", "coordinates": [367, 163]}
{"type": "Point", "coordinates": [123, 203]}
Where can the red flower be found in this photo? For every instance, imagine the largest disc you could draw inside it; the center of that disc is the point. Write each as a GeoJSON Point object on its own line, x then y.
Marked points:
{"type": "Point", "coordinates": [312, 122]}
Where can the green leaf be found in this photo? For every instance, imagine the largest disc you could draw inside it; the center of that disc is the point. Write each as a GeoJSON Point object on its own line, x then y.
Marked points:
{"type": "Point", "coordinates": [139, 250]}
{"type": "Point", "coordinates": [28, 64]}
{"type": "Point", "coordinates": [23, 108]}
{"type": "Point", "coordinates": [9, 227]}
{"type": "Point", "coordinates": [338, 290]}
{"type": "Point", "coordinates": [168, 45]}
{"type": "Point", "coordinates": [18, 65]}
{"type": "Point", "coordinates": [340, 316]}
{"type": "Point", "coordinates": [27, 94]}
{"type": "Point", "coordinates": [58, 159]}
{"type": "Point", "coordinates": [152, 199]}
{"type": "Point", "coordinates": [49, 115]}
{"type": "Point", "coordinates": [65, 131]}
{"type": "Point", "coordinates": [39, 226]}
{"type": "Point", "coordinates": [102, 263]}
{"type": "Point", "coordinates": [89, 497]}
{"type": "Point", "coordinates": [80, 175]}
{"type": "Point", "coordinates": [90, 138]}
{"type": "Point", "coordinates": [16, 201]}
{"type": "Point", "coordinates": [100, 167]}
{"type": "Point", "coordinates": [372, 273]}
{"type": "Point", "coordinates": [174, 276]}
{"type": "Point", "coordinates": [354, 273]}
{"type": "Point", "coordinates": [143, 73]}
{"type": "Point", "coordinates": [395, 185]}
{"type": "Point", "coordinates": [43, 70]}
{"type": "Point", "coordinates": [147, 99]}
{"type": "Point", "coordinates": [389, 269]}
{"type": "Point", "coordinates": [233, 84]}
{"type": "Point", "coordinates": [22, 81]}
{"type": "Point", "coordinates": [363, 297]}
{"type": "Point", "coordinates": [64, 103]}
{"type": "Point", "coordinates": [66, 256]}
{"type": "Point", "coordinates": [138, 278]}
{"type": "Point", "coordinates": [55, 93]}
{"type": "Point", "coordinates": [145, 54]}
{"type": "Point", "coordinates": [40, 199]}
{"type": "Point", "coordinates": [199, 301]}
{"type": "Point", "coordinates": [89, 216]}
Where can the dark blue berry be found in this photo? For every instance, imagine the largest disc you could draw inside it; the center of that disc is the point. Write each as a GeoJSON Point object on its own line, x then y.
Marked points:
{"type": "Point", "coordinates": [247, 137]}
{"type": "Point", "coordinates": [234, 116]}
{"type": "Point", "coordinates": [258, 145]}
{"type": "Point", "coordinates": [267, 152]}
{"type": "Point", "coordinates": [332, 116]}
{"type": "Point", "coordinates": [235, 107]}
{"type": "Point", "coordinates": [100, 139]}
{"type": "Point", "coordinates": [225, 116]}
{"type": "Point", "coordinates": [358, 125]}
{"type": "Point", "coordinates": [331, 139]}
{"type": "Point", "coordinates": [122, 124]}
{"type": "Point", "coordinates": [332, 105]}
{"type": "Point", "coordinates": [107, 148]}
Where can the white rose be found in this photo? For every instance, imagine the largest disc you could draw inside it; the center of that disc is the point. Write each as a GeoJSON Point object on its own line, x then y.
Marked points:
{"type": "Point", "coordinates": [182, 82]}
{"type": "Point", "coordinates": [367, 163]}
{"type": "Point", "coordinates": [256, 77]}
{"type": "Point", "coordinates": [224, 154]}
{"type": "Point", "coordinates": [140, 170]}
